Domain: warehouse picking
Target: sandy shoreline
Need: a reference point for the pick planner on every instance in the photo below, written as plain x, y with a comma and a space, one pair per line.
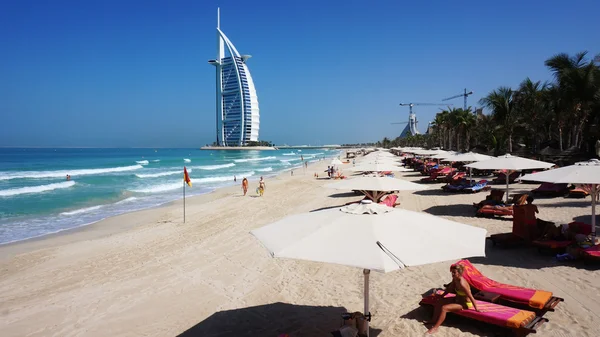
147, 273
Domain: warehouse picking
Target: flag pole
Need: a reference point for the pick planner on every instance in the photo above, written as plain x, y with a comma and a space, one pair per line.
183, 200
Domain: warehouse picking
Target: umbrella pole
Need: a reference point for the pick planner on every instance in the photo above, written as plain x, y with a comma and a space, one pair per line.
506, 174
366, 273
471, 176
594, 197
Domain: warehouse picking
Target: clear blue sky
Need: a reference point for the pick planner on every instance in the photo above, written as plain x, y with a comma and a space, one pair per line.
135, 73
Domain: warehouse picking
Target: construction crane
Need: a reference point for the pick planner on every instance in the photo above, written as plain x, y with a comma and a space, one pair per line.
412, 128
465, 95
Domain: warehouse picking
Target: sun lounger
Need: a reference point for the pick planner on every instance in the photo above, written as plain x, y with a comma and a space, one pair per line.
501, 179
454, 177
434, 176
578, 193
538, 300
498, 210
454, 188
480, 186
551, 190
591, 254
520, 321
390, 200
556, 246
523, 232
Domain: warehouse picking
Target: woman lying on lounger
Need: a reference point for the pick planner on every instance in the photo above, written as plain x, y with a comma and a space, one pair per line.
462, 301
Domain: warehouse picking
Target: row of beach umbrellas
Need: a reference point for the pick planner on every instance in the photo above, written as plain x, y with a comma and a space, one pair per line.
368, 235
380, 238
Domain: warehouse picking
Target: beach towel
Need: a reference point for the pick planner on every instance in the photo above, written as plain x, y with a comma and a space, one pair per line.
491, 313
533, 298
390, 200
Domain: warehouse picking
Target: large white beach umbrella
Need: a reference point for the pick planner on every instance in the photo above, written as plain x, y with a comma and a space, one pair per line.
585, 174
375, 187
376, 167
509, 164
469, 157
384, 242
336, 162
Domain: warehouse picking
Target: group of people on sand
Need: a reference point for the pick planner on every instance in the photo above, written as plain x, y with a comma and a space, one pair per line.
260, 190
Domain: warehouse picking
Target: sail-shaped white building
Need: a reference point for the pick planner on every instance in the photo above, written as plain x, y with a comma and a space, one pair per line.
237, 104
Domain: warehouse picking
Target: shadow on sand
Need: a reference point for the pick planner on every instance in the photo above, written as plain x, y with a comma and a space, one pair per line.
588, 218
567, 203
526, 258
455, 210
344, 195
324, 208
433, 190
272, 320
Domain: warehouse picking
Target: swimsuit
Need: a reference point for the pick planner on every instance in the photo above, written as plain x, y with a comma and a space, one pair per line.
460, 293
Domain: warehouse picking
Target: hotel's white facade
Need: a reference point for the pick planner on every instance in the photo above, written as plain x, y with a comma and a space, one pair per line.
237, 104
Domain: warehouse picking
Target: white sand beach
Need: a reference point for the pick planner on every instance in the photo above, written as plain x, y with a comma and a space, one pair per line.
148, 274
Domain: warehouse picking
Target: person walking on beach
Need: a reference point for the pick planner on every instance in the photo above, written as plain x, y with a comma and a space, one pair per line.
234, 179
245, 185
261, 186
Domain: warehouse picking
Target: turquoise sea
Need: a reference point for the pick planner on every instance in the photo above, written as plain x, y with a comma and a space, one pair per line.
36, 199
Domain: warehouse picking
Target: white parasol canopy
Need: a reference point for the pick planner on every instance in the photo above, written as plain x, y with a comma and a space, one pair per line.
510, 164
583, 173
336, 162
376, 167
381, 242
375, 187
469, 157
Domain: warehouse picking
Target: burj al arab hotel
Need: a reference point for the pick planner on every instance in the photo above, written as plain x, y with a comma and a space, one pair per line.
237, 103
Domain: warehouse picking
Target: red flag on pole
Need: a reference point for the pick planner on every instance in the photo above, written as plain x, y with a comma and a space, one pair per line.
186, 177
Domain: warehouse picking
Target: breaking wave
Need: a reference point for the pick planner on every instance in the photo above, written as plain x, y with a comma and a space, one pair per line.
35, 189
160, 174
253, 159
214, 167
63, 173
82, 210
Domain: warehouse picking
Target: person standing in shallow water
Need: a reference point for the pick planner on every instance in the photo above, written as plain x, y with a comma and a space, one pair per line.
245, 185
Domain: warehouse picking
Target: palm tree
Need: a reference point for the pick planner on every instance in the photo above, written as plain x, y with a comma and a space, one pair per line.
501, 102
529, 100
439, 128
579, 89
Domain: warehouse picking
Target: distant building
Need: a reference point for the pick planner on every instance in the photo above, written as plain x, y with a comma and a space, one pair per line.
237, 103
411, 127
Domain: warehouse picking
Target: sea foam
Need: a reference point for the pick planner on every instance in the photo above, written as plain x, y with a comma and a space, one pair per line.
253, 159
142, 162
160, 174
187, 160
35, 189
63, 173
214, 167
224, 178
159, 188
81, 210
267, 169
124, 201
